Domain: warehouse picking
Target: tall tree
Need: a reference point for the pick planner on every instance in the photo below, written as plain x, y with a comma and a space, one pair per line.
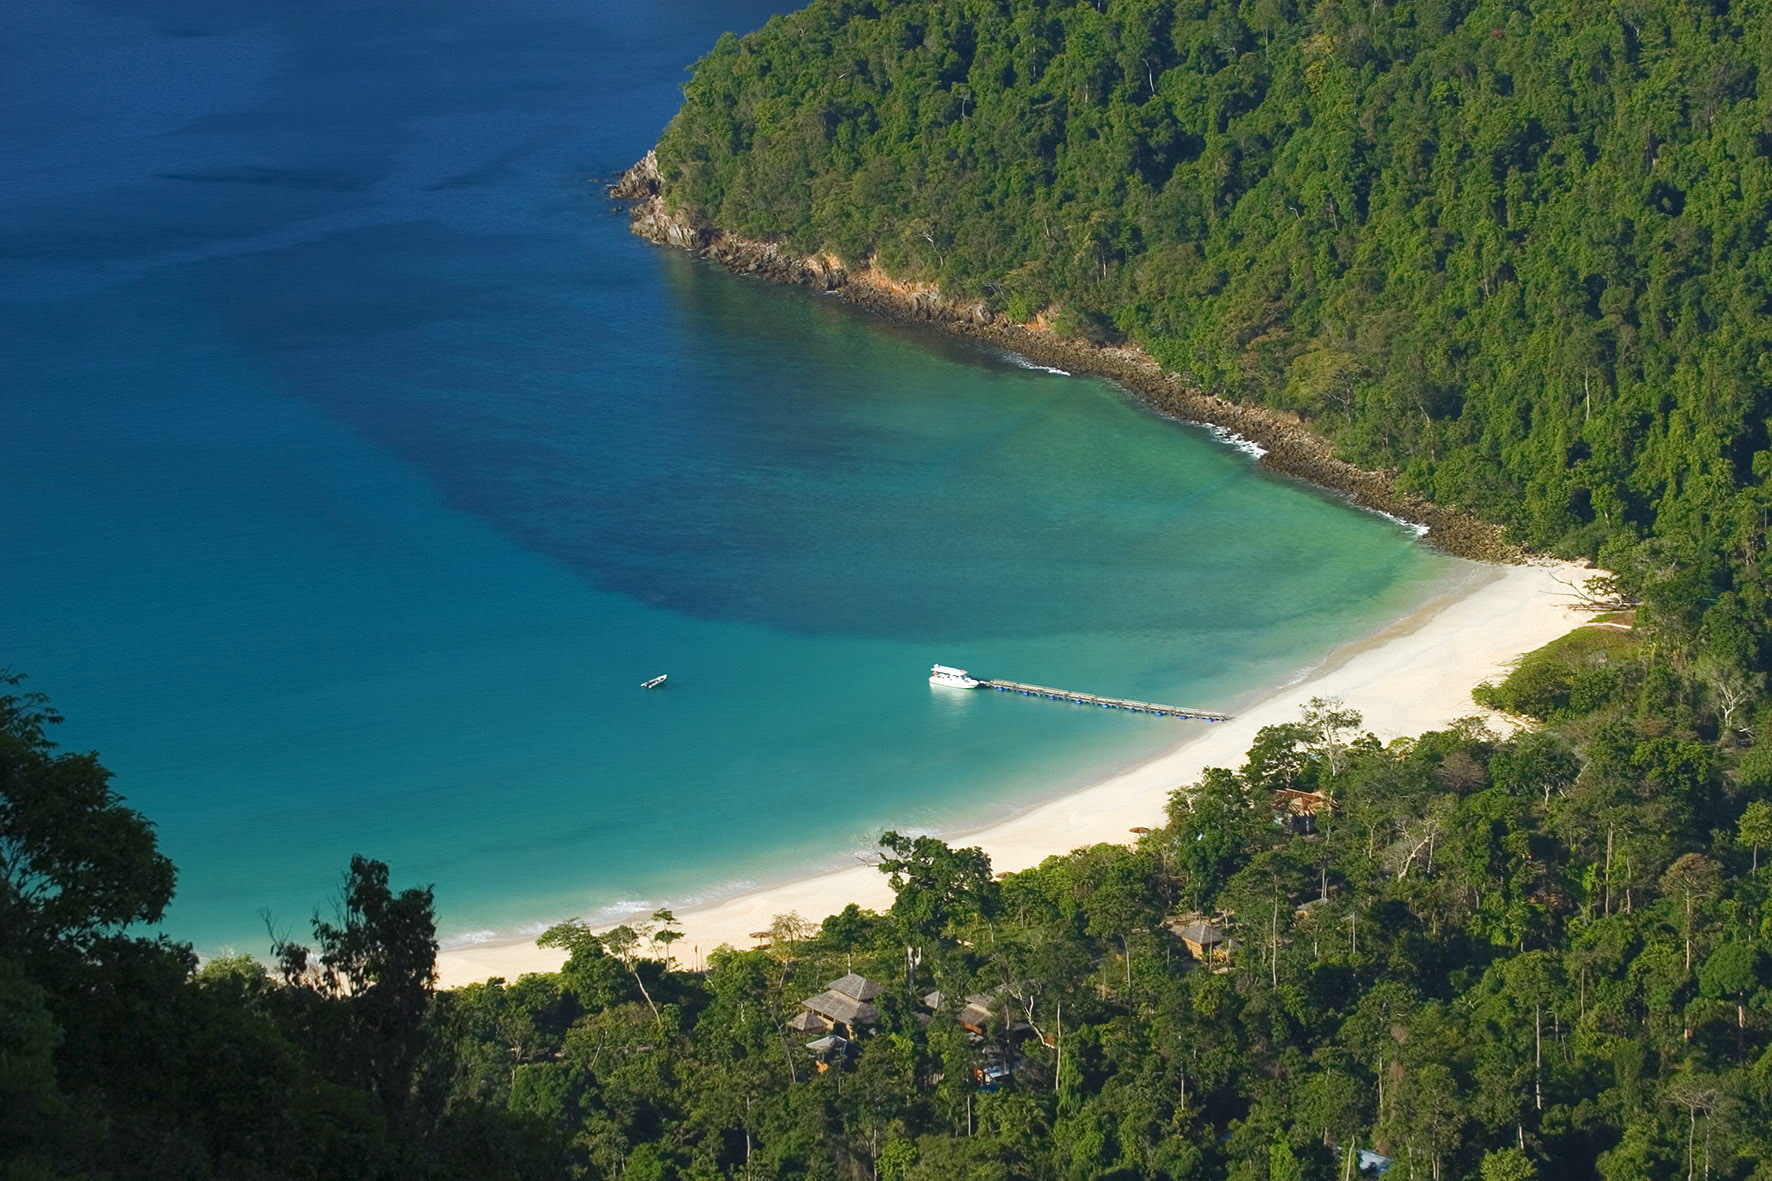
372, 980
76, 865
935, 885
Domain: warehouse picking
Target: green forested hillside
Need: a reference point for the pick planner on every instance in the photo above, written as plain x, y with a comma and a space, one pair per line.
1540, 957
1516, 252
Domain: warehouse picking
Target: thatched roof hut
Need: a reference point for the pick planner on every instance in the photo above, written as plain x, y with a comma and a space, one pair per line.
859, 987
806, 1021
978, 1012
846, 1001
843, 1010
1204, 939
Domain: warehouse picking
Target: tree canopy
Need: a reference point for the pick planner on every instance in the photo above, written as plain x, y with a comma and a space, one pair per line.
76, 865
1515, 252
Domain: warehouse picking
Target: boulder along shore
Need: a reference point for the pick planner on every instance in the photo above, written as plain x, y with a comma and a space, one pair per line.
1291, 448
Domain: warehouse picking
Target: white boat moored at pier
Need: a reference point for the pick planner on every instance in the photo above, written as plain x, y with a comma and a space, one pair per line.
959, 678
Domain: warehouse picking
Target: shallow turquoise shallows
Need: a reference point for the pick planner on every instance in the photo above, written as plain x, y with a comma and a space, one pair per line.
359, 466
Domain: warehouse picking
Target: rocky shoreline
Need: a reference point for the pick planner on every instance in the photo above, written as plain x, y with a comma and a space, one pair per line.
1291, 449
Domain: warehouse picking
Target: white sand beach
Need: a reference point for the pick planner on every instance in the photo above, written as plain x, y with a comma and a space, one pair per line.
1413, 676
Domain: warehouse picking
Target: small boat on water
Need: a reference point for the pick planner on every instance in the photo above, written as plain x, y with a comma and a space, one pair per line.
654, 683
953, 678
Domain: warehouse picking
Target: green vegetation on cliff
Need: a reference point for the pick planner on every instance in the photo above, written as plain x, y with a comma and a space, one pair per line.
1515, 252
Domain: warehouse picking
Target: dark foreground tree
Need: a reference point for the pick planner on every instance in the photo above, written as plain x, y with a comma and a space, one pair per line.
365, 998
76, 866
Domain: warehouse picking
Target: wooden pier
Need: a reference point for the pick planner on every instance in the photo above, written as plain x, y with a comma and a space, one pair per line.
1137, 707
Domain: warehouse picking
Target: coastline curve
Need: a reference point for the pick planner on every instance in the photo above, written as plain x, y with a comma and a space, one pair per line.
1287, 446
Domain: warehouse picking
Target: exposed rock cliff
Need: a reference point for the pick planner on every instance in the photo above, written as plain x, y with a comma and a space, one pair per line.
1291, 449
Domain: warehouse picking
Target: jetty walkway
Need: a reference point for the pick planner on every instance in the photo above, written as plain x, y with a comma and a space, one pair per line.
1137, 707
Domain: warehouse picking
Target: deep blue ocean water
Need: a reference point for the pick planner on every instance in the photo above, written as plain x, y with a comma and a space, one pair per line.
358, 466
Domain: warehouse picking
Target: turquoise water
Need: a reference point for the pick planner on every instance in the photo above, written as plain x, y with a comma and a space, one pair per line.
359, 465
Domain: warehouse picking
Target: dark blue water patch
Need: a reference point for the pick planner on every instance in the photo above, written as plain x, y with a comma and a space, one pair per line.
149, 132
740, 453
358, 289
328, 179
147, 222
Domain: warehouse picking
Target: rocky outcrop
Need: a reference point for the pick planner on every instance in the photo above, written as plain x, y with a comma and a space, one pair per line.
640, 181
1290, 447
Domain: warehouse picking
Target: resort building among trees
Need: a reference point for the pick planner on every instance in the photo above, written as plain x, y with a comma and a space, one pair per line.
1204, 940
845, 1007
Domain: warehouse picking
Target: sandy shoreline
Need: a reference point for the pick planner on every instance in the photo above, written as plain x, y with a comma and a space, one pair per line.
1412, 676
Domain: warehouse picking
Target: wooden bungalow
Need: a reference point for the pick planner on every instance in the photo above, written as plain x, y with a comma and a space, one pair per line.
806, 1021
845, 1007
977, 1014
1204, 939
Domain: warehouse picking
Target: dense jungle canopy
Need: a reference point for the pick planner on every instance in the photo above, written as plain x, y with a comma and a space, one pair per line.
1541, 956
1515, 252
